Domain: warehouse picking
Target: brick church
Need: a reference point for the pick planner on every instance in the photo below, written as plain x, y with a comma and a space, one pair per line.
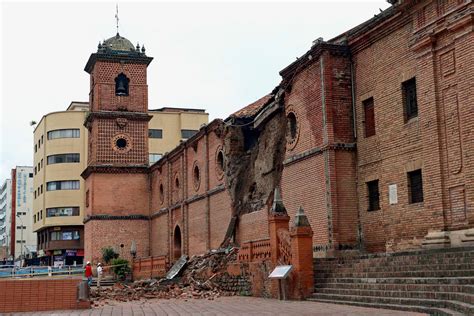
371, 133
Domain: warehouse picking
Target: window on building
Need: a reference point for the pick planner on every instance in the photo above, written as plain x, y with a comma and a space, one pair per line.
41, 189
63, 158
21, 227
62, 185
374, 196
39, 143
34, 194
65, 235
64, 133
154, 158
87, 198
41, 214
42, 139
36, 148
369, 117
220, 160
20, 241
188, 133
41, 162
292, 126
35, 170
62, 211
155, 133
34, 218
31, 175
415, 186
121, 85
409, 99
38, 167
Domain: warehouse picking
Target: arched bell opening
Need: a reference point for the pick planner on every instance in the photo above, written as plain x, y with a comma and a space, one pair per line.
121, 85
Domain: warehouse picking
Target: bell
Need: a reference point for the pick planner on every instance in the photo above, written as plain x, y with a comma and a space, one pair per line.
121, 89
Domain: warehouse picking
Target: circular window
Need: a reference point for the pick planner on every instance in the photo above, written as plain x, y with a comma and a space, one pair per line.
121, 143
196, 176
291, 129
162, 193
220, 164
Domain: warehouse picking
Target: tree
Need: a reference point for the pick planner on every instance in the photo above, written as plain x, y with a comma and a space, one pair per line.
109, 254
121, 268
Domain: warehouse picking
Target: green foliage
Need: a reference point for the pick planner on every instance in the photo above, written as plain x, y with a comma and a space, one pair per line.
108, 254
121, 268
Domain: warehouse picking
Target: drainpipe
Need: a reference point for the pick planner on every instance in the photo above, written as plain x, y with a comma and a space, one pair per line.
354, 121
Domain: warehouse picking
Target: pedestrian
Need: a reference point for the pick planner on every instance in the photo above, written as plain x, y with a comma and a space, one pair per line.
99, 274
88, 273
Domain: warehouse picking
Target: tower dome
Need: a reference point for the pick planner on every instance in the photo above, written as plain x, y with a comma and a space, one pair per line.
118, 43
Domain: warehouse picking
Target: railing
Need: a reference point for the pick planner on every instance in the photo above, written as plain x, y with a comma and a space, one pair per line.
252, 251
150, 267
35, 271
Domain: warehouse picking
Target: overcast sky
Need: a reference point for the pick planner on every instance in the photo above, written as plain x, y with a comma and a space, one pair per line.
219, 56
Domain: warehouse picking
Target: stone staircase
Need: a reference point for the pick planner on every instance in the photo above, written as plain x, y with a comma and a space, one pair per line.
436, 281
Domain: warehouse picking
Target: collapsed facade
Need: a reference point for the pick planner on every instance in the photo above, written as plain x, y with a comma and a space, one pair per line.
370, 133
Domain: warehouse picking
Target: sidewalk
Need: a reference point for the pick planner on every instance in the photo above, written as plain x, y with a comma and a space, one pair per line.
227, 306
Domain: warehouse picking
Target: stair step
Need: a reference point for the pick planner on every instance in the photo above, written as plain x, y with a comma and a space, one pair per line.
422, 274
448, 296
469, 289
395, 268
411, 308
454, 305
437, 280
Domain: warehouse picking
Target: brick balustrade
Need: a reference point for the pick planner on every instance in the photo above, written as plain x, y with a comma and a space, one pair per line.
150, 267
40, 294
258, 250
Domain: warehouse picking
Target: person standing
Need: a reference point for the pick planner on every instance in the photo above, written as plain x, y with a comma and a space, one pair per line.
88, 273
99, 274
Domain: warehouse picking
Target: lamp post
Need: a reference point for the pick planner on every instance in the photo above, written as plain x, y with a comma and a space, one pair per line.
133, 249
21, 236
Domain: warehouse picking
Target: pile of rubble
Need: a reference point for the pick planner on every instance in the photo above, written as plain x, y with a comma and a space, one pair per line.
195, 280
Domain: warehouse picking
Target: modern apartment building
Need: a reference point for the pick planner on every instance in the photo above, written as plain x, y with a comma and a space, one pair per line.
5, 218
23, 239
60, 156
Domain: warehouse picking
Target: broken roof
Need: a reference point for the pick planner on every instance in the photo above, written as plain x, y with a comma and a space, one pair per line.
252, 108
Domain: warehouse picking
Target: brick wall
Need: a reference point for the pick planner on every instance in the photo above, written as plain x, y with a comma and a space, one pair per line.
435, 141
115, 233
51, 294
103, 87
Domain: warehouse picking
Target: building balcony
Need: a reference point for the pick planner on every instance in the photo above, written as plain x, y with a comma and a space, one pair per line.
62, 244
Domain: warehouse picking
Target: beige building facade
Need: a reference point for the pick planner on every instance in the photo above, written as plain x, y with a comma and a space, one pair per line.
60, 156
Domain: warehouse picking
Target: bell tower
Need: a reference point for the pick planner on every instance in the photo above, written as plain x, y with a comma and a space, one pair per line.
116, 177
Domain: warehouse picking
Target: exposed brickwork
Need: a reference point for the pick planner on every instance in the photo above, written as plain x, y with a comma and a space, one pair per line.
328, 159
50, 294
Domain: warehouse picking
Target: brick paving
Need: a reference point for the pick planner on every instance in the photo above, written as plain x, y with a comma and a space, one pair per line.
225, 306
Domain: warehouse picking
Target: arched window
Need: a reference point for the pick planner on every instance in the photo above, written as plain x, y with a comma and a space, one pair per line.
121, 85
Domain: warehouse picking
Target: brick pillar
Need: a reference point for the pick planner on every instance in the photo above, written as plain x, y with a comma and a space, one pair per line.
278, 218
301, 257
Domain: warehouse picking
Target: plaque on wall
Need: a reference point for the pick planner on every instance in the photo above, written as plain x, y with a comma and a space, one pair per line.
392, 194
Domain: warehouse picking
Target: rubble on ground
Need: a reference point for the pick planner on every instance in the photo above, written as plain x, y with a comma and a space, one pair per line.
196, 281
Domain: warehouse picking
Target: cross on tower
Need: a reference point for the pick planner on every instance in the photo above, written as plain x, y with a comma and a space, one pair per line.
117, 17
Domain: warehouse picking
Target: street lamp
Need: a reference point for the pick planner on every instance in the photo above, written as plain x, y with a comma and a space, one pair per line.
21, 237
133, 249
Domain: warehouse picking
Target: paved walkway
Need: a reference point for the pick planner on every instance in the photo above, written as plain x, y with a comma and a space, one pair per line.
226, 306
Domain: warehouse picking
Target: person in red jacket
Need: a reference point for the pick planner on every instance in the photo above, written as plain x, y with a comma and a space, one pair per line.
88, 273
